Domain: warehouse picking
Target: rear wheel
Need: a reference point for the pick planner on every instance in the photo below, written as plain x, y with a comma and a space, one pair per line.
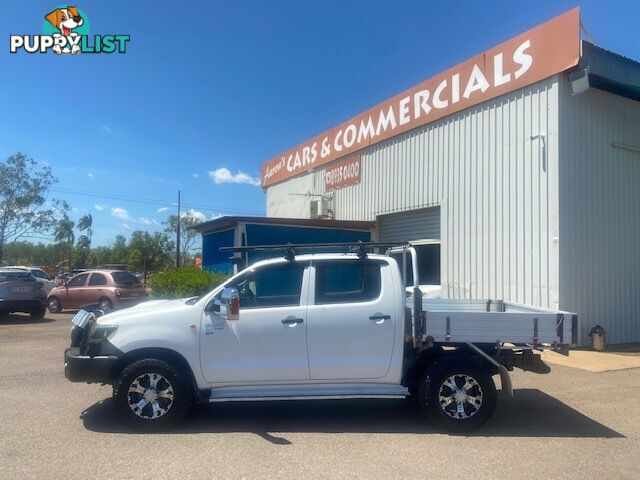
151, 394
38, 314
458, 393
53, 304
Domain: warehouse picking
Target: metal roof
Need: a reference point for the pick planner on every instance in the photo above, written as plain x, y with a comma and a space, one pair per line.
610, 71
227, 222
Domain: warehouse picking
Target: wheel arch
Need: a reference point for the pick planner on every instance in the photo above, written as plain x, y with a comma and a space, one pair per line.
166, 354
435, 356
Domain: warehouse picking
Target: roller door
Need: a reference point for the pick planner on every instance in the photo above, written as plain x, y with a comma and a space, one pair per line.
411, 225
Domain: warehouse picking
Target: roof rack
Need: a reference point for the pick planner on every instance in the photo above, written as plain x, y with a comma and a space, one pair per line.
290, 248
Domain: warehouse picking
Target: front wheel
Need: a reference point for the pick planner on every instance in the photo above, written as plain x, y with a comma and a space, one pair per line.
53, 304
151, 394
458, 393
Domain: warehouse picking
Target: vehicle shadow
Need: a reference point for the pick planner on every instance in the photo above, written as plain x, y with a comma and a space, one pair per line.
531, 413
17, 319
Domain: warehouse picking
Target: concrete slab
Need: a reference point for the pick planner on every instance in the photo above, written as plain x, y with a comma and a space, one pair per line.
592, 361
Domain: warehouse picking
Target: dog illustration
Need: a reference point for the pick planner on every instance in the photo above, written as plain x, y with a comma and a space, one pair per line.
66, 19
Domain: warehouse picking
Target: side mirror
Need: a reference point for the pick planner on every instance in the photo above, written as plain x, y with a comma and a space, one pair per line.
230, 304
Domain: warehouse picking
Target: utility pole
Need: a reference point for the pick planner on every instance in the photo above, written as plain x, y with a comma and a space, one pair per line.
178, 234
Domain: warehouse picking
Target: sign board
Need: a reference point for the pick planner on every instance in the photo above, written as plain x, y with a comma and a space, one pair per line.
539, 53
342, 174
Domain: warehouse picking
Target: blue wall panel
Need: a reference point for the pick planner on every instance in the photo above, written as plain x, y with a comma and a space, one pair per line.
212, 258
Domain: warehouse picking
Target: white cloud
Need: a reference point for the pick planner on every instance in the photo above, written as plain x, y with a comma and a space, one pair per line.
163, 209
224, 175
99, 207
145, 221
90, 175
216, 215
120, 213
106, 129
195, 175
201, 217
126, 226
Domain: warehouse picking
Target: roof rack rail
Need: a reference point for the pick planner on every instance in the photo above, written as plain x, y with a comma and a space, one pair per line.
290, 248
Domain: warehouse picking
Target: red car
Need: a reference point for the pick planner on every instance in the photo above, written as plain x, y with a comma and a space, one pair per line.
109, 288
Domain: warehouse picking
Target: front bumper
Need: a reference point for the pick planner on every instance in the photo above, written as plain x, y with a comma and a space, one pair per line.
31, 305
83, 368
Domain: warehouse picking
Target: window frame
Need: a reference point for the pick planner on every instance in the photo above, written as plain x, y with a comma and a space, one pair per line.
302, 301
78, 276
320, 263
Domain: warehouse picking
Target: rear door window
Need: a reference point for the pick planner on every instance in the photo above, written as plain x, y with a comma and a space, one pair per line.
347, 282
97, 279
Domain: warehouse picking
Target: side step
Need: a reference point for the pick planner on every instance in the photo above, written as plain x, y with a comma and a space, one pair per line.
306, 393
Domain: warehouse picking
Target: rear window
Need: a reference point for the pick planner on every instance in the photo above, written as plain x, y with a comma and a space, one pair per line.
347, 282
125, 278
16, 276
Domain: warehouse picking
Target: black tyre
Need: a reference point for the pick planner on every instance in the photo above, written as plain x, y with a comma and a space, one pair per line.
53, 304
38, 314
105, 305
151, 394
458, 393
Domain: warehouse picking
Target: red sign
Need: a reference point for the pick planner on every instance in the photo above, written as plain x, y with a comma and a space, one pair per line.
543, 51
342, 174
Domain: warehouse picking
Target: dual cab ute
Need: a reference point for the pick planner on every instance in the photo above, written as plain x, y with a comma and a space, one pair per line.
313, 326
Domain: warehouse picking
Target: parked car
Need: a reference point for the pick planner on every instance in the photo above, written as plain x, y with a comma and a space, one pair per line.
110, 289
21, 292
40, 275
323, 326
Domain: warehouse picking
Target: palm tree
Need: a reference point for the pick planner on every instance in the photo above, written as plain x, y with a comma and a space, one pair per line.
84, 242
86, 223
64, 232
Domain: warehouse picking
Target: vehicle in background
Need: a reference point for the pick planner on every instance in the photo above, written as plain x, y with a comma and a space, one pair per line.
111, 289
41, 276
20, 292
428, 255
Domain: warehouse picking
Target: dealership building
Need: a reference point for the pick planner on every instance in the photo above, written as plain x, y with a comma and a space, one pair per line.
524, 162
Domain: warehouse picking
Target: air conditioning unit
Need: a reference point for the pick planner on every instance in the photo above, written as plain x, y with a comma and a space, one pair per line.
319, 208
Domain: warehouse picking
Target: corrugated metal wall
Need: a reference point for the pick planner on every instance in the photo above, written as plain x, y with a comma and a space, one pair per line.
496, 189
600, 212
420, 224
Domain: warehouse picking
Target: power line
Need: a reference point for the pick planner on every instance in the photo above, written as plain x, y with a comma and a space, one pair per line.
149, 201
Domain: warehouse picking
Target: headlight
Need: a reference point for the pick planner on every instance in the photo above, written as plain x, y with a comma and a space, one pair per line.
100, 333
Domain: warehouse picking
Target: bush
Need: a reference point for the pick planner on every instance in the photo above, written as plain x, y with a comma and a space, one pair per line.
184, 282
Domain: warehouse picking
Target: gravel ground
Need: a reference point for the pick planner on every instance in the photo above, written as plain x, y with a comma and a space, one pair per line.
570, 423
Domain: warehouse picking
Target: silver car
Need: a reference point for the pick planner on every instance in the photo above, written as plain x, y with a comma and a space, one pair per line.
20, 292
41, 276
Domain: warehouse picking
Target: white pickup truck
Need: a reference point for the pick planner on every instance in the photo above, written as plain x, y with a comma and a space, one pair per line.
313, 326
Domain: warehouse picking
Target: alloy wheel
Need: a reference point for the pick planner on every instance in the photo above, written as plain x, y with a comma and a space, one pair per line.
460, 396
150, 396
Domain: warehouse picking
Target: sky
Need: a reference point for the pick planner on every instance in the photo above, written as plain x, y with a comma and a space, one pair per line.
209, 90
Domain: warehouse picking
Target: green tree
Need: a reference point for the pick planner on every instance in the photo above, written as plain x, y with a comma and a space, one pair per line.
23, 187
154, 249
63, 234
188, 235
119, 251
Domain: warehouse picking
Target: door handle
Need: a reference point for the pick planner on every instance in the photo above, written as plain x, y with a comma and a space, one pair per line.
292, 321
379, 317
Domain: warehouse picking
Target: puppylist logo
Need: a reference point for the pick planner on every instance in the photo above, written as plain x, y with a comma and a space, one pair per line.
65, 30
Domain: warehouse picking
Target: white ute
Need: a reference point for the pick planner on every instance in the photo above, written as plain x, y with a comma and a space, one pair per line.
313, 326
